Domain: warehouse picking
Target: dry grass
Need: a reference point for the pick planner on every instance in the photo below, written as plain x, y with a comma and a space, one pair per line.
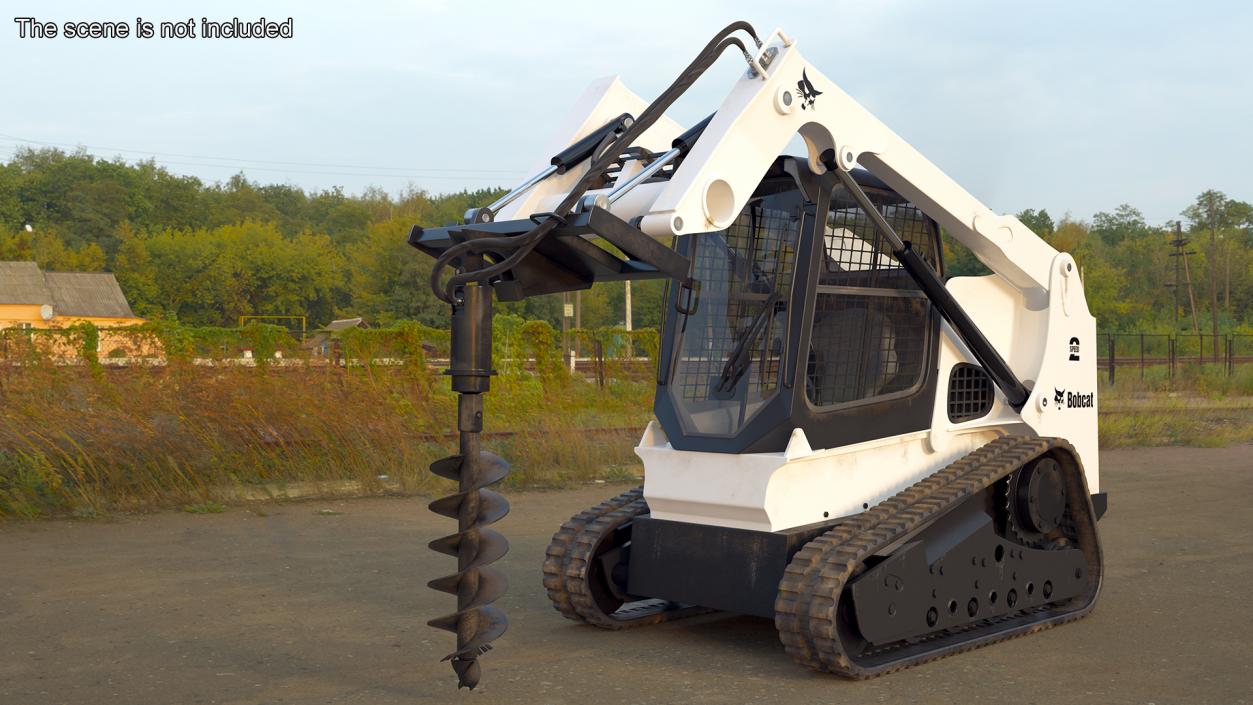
77, 440
90, 441
1202, 406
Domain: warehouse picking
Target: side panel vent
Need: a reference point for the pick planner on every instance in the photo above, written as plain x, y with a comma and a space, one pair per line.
969, 393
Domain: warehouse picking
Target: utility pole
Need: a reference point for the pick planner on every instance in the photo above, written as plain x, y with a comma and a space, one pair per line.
1196, 324
1227, 284
630, 342
1178, 244
1211, 212
628, 305
1181, 257
578, 323
567, 310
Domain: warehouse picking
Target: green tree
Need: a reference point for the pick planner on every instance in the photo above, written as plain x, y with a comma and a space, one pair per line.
1040, 222
212, 277
959, 261
1124, 223
11, 215
1214, 216
239, 200
344, 219
387, 280
208, 253
137, 275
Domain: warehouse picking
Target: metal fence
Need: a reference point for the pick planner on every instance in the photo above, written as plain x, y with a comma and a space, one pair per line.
1138, 352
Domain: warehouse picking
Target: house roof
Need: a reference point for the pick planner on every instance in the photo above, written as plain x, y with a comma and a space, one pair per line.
344, 324
23, 283
88, 294
324, 334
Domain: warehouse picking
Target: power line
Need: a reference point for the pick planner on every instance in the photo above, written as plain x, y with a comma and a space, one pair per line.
468, 172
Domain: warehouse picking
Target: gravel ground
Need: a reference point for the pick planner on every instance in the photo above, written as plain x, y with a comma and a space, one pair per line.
295, 604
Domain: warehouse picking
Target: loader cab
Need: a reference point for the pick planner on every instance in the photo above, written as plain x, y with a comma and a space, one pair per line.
803, 320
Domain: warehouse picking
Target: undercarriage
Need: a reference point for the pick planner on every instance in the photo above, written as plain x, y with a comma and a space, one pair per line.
1000, 543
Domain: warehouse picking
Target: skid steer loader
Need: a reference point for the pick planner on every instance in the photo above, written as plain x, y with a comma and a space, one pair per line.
890, 466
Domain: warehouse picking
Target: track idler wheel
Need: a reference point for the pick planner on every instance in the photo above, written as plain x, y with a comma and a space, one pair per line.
584, 569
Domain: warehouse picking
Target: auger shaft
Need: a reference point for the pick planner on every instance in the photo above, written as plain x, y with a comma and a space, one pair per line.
476, 623
469, 409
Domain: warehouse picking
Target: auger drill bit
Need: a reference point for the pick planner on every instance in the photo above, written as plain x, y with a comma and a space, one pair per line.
476, 622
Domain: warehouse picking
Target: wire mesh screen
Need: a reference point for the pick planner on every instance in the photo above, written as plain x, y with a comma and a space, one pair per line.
969, 393
731, 347
738, 266
864, 346
858, 255
871, 323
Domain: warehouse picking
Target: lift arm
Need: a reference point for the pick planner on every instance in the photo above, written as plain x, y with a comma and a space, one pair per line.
782, 95
758, 119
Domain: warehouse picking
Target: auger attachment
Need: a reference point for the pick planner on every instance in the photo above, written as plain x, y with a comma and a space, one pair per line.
476, 622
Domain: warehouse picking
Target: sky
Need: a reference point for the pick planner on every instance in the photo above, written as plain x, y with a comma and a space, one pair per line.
1076, 107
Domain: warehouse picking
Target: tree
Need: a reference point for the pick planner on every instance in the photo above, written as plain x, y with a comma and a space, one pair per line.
1124, 223
1039, 221
239, 200
959, 261
11, 215
1070, 235
46, 248
1144, 260
212, 277
94, 210
387, 280
343, 218
1211, 212
136, 275
1105, 284
208, 253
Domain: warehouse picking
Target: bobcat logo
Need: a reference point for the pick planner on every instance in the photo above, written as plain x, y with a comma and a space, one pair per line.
1074, 400
808, 92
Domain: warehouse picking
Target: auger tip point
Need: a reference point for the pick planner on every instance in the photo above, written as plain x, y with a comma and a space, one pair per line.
468, 673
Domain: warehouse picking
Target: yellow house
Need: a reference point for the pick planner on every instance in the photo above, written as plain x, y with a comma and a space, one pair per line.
33, 298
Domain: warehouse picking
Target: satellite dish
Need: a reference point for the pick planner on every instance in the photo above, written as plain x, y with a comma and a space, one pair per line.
45, 312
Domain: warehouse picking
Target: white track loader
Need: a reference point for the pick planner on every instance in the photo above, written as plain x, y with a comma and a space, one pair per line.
891, 466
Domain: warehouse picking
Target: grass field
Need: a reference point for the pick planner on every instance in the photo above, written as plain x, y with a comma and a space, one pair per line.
1201, 406
86, 441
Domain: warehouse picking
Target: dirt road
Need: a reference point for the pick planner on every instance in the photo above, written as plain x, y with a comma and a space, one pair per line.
290, 605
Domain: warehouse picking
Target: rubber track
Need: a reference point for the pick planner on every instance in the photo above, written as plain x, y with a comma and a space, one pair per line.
807, 605
570, 552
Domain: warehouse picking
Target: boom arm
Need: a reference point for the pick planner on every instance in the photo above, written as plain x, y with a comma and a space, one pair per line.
758, 119
1033, 310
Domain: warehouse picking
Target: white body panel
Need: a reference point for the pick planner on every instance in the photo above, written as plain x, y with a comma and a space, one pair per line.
1032, 309
776, 491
